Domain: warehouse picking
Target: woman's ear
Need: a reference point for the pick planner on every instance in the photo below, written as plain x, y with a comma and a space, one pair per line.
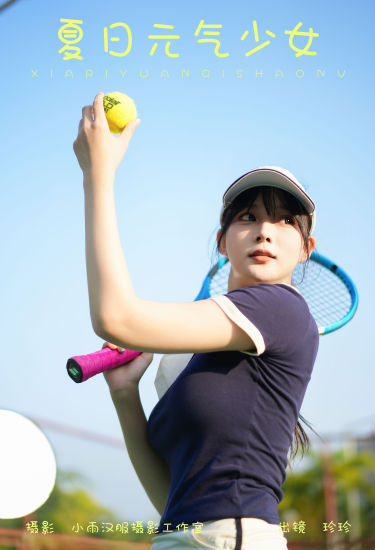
312, 244
222, 247
304, 256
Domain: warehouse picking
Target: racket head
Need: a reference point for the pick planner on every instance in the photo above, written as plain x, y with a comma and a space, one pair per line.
330, 293
328, 290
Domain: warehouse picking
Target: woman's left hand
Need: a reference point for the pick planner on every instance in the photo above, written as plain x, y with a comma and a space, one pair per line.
95, 147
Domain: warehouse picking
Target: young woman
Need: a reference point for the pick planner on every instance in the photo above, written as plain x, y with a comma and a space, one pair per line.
212, 455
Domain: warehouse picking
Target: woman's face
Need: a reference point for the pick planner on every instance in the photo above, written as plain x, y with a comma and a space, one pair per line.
254, 229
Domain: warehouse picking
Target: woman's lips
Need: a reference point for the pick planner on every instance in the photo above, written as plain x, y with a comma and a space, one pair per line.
261, 255
262, 258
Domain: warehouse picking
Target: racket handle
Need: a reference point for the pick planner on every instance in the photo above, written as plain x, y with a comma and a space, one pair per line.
82, 367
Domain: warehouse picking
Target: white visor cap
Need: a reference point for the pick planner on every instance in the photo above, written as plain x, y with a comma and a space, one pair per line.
269, 176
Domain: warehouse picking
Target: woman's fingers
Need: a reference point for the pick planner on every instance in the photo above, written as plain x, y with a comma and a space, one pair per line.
112, 346
87, 112
98, 108
109, 345
129, 130
128, 375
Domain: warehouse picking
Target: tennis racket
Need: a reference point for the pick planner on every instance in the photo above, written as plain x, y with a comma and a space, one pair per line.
329, 292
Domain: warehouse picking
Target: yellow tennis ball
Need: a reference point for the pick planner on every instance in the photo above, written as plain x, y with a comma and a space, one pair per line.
119, 110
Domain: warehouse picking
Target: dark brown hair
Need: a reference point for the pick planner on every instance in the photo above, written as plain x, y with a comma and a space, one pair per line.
270, 195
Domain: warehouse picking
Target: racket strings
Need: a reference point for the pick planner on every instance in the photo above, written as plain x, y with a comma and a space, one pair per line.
219, 281
327, 296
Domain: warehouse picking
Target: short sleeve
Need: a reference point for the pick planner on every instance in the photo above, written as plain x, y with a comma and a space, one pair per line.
273, 315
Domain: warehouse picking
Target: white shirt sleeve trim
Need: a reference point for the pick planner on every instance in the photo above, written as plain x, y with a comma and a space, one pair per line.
243, 322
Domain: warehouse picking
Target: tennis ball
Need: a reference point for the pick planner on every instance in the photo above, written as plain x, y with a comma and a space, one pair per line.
119, 110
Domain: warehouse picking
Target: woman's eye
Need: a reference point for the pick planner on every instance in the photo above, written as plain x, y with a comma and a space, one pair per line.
289, 220
247, 216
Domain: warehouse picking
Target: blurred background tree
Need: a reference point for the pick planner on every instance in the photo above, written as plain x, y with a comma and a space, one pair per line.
305, 495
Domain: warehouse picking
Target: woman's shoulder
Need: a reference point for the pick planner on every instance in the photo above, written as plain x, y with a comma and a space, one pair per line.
278, 302
277, 291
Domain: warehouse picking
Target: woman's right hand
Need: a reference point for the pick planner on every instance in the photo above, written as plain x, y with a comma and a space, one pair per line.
126, 376
95, 147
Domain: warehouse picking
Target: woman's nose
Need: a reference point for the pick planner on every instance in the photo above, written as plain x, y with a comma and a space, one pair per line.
262, 238
265, 231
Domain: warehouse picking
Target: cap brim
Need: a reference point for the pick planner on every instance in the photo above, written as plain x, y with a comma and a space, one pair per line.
268, 177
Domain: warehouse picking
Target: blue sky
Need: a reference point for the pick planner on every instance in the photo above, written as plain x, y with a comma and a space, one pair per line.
198, 134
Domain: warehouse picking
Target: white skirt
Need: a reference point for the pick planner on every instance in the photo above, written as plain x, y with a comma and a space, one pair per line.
225, 534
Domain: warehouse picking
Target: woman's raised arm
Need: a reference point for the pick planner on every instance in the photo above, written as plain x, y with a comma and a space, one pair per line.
117, 314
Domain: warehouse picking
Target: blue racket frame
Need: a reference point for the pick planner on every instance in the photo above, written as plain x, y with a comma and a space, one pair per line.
348, 282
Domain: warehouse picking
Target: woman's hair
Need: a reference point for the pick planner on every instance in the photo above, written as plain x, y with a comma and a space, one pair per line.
304, 221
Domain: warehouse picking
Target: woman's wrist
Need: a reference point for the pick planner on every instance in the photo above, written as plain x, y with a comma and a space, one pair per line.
119, 394
101, 176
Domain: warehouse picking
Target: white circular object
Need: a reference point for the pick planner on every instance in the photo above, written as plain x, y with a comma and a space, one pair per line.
27, 466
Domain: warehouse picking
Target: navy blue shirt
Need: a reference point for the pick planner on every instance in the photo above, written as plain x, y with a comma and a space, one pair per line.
226, 423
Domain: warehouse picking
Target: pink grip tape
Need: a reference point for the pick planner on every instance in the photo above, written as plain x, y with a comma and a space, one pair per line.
99, 361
